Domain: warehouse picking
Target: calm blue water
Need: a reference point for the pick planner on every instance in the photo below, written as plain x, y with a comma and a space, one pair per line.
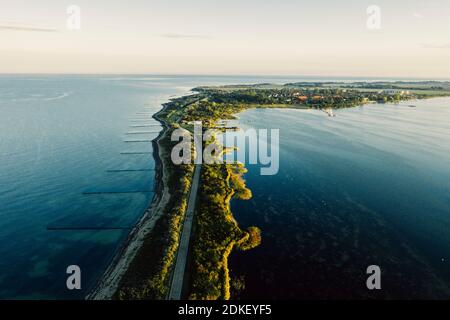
371, 186
59, 136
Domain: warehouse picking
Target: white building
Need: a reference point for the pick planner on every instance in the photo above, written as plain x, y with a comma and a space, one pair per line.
396, 91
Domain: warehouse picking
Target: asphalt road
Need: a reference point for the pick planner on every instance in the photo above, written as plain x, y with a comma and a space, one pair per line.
176, 287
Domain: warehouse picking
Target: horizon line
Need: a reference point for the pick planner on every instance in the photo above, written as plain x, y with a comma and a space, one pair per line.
312, 76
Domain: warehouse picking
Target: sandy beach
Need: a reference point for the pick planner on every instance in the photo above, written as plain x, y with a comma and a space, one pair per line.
110, 280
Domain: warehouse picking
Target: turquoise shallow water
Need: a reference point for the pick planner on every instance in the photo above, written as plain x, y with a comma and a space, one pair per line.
59, 136
370, 186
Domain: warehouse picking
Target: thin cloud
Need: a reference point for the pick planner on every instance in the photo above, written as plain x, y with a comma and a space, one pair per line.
183, 36
25, 28
436, 46
417, 15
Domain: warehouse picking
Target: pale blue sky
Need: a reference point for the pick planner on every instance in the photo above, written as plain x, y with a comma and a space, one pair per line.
285, 37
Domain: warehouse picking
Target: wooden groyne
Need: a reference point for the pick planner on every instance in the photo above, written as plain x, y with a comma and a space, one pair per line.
131, 141
116, 192
141, 132
49, 228
130, 170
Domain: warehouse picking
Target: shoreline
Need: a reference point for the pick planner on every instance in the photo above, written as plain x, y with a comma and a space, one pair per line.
108, 283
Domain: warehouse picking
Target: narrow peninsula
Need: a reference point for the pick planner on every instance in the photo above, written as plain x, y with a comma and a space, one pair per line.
143, 268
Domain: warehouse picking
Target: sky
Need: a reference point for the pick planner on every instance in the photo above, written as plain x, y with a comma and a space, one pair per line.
238, 37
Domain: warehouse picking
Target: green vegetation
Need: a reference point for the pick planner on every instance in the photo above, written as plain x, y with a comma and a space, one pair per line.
174, 110
322, 94
210, 112
251, 240
149, 274
216, 231
238, 184
300, 97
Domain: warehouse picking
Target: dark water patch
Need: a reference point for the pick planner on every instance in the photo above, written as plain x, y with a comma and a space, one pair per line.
346, 198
